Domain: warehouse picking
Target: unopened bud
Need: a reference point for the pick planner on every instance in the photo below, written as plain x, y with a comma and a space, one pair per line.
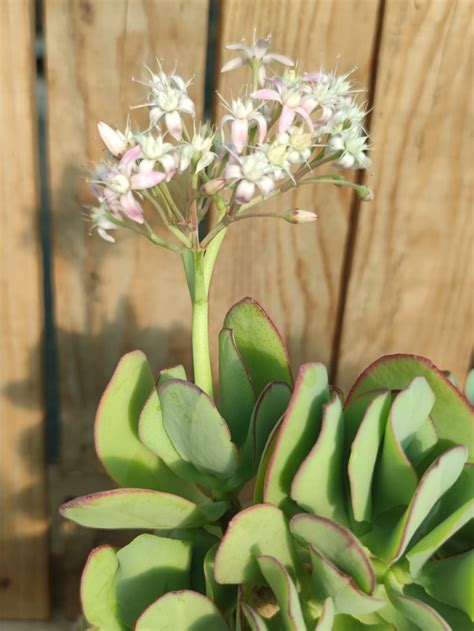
114, 140
365, 193
213, 186
300, 216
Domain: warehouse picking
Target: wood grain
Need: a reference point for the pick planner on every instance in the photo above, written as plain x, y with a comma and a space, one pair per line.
411, 284
294, 271
109, 299
24, 587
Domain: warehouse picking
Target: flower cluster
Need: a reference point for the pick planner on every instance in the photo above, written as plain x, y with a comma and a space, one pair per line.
270, 139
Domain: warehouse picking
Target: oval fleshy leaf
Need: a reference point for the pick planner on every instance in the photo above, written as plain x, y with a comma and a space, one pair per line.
296, 435
363, 455
255, 621
184, 610
469, 386
222, 595
269, 409
135, 508
154, 435
452, 414
426, 547
323, 467
442, 474
237, 390
326, 619
197, 430
98, 596
424, 616
264, 464
260, 344
338, 545
451, 581
258, 529
457, 619
124, 457
333, 583
150, 566
397, 478
285, 592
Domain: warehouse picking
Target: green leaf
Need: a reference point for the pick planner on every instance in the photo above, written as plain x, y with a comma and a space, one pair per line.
269, 409
326, 619
183, 610
441, 475
338, 545
469, 386
451, 581
452, 415
332, 582
259, 529
237, 390
423, 443
259, 487
457, 619
150, 566
222, 595
324, 464
348, 623
197, 430
124, 457
397, 478
426, 547
424, 616
98, 598
363, 455
260, 344
256, 622
285, 592
297, 434
135, 508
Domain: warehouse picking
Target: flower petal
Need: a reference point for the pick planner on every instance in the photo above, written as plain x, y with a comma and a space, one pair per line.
244, 192
262, 126
237, 62
174, 124
267, 95
187, 106
305, 116
286, 118
115, 143
105, 235
281, 59
139, 181
131, 207
239, 133
266, 185
131, 155
232, 172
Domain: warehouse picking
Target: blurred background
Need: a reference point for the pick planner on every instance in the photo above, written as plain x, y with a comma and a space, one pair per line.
395, 275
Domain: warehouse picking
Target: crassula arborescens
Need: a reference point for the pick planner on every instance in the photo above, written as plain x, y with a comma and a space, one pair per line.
278, 504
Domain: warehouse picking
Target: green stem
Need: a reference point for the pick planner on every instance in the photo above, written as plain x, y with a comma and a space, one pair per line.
200, 326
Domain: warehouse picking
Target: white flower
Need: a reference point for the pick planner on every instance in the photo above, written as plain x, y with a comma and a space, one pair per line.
251, 172
294, 102
116, 141
200, 145
353, 145
101, 221
155, 149
348, 115
256, 53
329, 91
168, 99
242, 113
300, 144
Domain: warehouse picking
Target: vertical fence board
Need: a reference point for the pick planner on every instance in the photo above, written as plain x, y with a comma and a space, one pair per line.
410, 288
109, 298
294, 271
23, 525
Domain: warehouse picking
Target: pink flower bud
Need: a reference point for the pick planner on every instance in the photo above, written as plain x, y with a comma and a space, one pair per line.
113, 140
300, 216
213, 186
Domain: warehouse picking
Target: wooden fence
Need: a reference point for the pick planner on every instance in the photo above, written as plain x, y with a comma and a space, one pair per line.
367, 279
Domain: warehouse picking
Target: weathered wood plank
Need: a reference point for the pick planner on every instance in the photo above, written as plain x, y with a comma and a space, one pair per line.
24, 586
109, 299
295, 271
411, 282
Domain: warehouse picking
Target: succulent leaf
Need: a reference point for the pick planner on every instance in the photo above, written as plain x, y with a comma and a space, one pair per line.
259, 343
297, 434
98, 597
149, 566
136, 508
117, 444
256, 622
323, 466
283, 587
237, 390
196, 429
326, 619
452, 414
185, 609
469, 386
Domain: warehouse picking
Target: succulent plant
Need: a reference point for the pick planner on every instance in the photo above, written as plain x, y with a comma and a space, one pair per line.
361, 514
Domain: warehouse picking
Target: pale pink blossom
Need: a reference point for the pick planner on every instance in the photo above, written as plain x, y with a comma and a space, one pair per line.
250, 172
118, 181
294, 102
200, 149
258, 54
102, 222
353, 146
297, 215
115, 140
155, 149
242, 114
